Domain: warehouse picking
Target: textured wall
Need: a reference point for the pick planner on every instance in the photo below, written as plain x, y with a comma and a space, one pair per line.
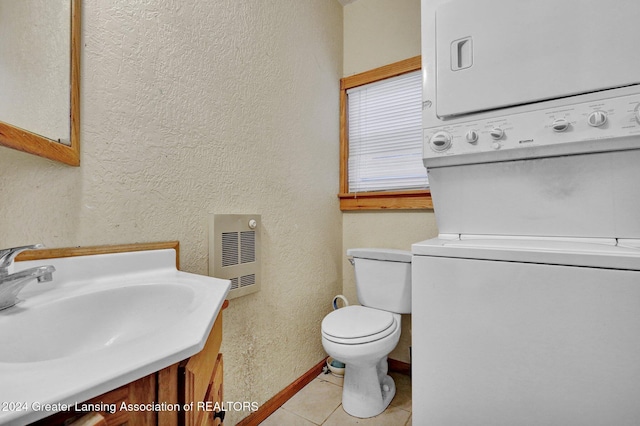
377, 33
197, 107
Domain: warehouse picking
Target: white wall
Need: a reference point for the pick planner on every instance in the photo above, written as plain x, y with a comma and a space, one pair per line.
377, 33
198, 107
380, 32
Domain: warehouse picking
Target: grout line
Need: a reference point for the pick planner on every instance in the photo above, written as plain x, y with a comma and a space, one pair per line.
298, 415
328, 381
329, 416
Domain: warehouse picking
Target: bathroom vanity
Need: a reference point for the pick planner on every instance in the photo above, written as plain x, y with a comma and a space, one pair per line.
119, 335
197, 379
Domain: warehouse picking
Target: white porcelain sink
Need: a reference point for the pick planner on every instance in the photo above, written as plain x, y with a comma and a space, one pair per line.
109, 317
104, 321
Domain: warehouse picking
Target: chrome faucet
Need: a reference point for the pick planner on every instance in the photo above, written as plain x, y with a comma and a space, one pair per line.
11, 284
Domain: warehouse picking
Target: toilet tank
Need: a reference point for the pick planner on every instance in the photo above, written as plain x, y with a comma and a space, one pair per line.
383, 278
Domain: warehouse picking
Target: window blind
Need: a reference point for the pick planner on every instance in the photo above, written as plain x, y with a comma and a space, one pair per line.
385, 135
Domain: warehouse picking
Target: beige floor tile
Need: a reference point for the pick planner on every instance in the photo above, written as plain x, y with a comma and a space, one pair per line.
390, 417
331, 378
316, 401
283, 417
320, 401
402, 399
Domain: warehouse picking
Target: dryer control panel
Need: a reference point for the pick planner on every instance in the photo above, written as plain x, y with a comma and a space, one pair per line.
600, 125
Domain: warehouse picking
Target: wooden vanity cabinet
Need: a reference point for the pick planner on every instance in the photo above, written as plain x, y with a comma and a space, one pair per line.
196, 380
210, 412
200, 383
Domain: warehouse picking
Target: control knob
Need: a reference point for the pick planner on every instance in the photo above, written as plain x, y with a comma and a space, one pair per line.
440, 141
560, 125
471, 136
597, 118
496, 133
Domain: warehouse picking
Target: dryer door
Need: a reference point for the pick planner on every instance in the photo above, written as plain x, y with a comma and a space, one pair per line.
507, 343
497, 53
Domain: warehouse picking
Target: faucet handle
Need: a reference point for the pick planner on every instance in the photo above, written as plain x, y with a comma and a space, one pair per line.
9, 254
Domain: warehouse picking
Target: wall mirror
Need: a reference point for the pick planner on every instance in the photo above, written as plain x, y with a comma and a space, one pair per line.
39, 78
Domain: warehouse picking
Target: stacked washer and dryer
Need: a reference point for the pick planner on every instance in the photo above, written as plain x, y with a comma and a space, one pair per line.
526, 308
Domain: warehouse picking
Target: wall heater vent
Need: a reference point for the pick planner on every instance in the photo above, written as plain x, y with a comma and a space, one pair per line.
234, 251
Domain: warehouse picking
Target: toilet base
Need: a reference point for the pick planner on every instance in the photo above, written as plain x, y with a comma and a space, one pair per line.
367, 389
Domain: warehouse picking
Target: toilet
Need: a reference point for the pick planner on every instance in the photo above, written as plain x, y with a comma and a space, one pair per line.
361, 336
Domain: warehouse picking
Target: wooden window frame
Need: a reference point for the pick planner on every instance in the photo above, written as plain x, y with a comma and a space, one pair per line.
375, 200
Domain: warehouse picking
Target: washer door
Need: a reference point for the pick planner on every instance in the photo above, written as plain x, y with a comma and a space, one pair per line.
506, 343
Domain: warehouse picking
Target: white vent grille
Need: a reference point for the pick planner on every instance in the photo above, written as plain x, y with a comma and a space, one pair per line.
234, 251
234, 283
248, 246
246, 280
229, 248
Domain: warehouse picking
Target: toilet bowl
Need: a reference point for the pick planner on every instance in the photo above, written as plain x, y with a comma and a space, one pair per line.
367, 389
362, 336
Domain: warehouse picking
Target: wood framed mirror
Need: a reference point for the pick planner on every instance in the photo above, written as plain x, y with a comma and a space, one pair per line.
64, 145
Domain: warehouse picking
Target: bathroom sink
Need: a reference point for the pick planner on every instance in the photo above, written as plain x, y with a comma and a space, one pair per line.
108, 317
102, 322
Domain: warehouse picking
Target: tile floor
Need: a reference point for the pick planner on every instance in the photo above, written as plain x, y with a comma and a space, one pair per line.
319, 403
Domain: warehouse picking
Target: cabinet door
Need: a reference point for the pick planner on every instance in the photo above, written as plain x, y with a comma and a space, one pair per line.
142, 391
216, 387
194, 376
213, 415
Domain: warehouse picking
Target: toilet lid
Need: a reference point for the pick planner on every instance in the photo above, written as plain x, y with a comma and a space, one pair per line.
357, 322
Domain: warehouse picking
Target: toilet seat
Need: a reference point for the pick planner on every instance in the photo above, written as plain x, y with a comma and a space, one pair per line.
354, 325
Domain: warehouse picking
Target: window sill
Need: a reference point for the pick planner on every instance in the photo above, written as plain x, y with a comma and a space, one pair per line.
396, 200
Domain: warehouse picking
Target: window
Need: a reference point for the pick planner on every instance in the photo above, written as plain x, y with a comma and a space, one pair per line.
381, 139
384, 132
